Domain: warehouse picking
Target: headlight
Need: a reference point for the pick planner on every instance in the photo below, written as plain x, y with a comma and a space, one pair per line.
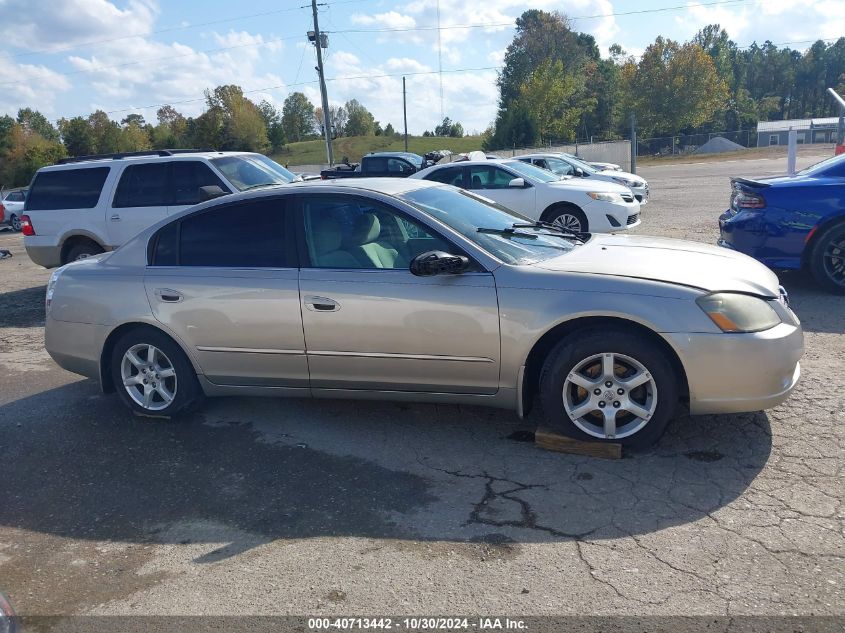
734, 312
625, 181
606, 197
51, 286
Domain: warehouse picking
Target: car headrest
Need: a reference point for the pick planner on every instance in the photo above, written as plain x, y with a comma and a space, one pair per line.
327, 236
367, 229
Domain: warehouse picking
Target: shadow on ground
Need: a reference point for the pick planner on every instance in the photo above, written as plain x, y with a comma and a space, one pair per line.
77, 465
22, 308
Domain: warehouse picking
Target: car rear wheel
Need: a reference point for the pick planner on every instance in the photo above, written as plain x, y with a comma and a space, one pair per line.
609, 385
15, 223
152, 375
827, 261
83, 250
568, 218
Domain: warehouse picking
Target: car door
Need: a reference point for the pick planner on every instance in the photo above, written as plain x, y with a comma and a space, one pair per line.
492, 181
229, 291
141, 198
372, 325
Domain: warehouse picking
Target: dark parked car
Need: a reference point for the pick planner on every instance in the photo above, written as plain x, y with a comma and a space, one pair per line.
792, 222
380, 164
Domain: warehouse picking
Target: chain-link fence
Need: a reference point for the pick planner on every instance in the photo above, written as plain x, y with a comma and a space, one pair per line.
704, 142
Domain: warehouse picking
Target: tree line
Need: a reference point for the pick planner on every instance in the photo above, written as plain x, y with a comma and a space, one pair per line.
230, 121
555, 86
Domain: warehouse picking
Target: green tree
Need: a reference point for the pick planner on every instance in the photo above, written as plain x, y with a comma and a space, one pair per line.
297, 117
360, 121
133, 138
171, 130
34, 121
137, 119
77, 136
105, 133
553, 98
388, 130
514, 127
273, 122
28, 151
6, 125
674, 87
456, 130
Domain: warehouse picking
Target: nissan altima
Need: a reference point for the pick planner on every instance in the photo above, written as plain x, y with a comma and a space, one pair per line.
404, 289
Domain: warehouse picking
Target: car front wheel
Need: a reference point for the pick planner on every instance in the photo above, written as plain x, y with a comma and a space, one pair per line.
568, 218
152, 375
15, 223
827, 260
609, 385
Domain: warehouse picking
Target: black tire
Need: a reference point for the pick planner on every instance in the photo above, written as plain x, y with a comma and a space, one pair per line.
187, 393
82, 251
15, 223
827, 259
577, 348
556, 213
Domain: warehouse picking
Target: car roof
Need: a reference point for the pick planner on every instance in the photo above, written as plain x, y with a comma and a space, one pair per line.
390, 186
100, 161
395, 154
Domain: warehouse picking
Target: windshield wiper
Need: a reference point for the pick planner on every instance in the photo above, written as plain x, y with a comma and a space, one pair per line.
578, 236
509, 232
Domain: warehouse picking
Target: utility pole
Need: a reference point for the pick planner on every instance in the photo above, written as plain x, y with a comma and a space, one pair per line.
405, 112
327, 123
633, 143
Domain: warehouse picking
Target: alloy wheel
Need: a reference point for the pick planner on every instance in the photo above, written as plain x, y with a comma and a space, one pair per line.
609, 395
567, 221
16, 223
833, 259
148, 377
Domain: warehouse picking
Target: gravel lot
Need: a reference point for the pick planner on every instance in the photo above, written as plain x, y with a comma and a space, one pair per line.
258, 506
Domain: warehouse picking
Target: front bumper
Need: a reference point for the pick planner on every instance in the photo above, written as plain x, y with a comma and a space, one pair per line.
610, 217
735, 373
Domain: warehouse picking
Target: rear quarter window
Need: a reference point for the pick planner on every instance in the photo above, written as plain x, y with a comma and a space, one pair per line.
66, 189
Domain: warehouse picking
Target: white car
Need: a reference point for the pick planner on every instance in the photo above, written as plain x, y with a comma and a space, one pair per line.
603, 166
570, 203
85, 206
568, 165
13, 208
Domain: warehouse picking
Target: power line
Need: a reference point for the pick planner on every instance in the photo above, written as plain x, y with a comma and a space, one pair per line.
487, 25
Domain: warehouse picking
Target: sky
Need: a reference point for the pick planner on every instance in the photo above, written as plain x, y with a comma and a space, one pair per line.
70, 57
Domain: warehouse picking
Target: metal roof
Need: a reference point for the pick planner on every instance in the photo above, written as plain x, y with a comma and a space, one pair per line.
798, 124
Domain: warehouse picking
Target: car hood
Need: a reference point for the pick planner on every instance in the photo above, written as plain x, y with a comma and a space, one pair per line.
623, 174
710, 268
585, 184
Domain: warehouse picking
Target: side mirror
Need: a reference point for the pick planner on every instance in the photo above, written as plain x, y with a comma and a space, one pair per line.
438, 263
579, 172
210, 192
517, 183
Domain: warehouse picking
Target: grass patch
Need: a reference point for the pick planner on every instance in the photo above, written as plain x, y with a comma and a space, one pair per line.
354, 147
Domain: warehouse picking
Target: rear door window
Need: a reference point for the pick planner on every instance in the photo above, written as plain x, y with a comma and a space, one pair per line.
144, 185
246, 235
67, 189
449, 176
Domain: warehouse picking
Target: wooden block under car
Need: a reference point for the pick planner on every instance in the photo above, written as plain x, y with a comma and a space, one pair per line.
551, 441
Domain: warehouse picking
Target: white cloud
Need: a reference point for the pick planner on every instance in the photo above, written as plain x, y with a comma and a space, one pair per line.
23, 85
57, 24
390, 20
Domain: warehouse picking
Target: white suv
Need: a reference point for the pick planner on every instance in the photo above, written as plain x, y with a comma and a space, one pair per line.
570, 203
84, 206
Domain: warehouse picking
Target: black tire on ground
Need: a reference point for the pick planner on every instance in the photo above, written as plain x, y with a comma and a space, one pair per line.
188, 393
15, 223
827, 259
572, 351
574, 213
82, 251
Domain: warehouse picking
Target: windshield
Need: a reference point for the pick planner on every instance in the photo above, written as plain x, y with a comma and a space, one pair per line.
530, 171
247, 171
577, 162
466, 212
823, 166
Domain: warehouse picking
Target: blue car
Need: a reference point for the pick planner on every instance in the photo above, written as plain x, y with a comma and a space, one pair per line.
792, 222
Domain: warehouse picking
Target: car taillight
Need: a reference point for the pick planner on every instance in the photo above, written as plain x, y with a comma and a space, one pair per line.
26, 226
2, 213
745, 200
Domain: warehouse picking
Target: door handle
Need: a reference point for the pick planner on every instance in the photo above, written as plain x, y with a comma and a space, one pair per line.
115, 217
169, 296
321, 304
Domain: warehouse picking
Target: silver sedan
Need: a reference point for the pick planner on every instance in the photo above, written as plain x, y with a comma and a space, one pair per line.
412, 290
